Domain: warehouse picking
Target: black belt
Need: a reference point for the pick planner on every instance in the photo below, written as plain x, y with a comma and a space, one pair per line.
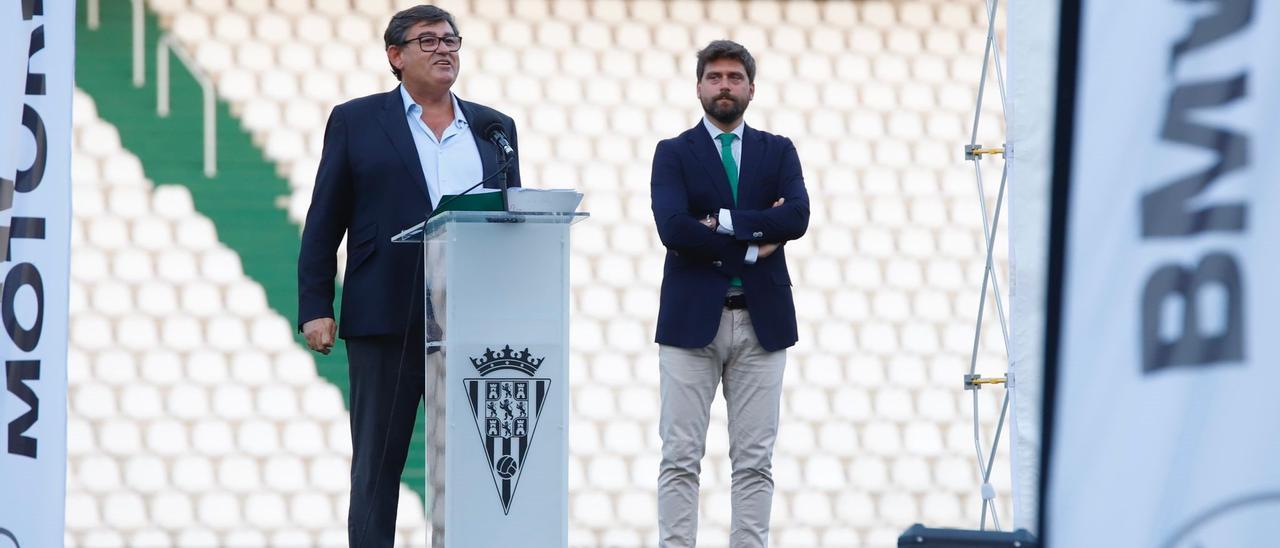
735, 302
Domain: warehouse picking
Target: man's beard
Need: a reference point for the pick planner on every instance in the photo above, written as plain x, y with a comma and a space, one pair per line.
724, 114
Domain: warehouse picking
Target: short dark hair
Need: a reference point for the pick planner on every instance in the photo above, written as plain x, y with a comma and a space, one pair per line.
405, 20
727, 49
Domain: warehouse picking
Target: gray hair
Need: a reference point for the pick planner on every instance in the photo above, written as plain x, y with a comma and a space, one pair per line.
405, 20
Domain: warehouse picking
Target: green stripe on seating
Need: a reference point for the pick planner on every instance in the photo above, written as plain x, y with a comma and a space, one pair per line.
245, 200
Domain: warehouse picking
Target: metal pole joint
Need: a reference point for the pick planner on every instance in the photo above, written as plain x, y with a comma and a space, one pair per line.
976, 152
975, 381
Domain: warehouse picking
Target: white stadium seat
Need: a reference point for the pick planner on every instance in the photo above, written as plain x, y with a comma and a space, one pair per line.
193, 474
218, 509
98, 140
331, 474
303, 438
82, 511
98, 474
351, 28
215, 57
220, 265
182, 333
146, 474
213, 437
195, 536
196, 375
260, 114
339, 435
191, 27
237, 84
201, 299
124, 511
294, 367
210, 7
141, 402
314, 509
321, 401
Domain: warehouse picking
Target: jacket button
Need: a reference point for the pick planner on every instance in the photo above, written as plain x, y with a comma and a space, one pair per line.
758, 234
717, 264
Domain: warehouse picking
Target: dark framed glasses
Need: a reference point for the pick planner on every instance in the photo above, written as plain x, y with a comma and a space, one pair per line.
430, 43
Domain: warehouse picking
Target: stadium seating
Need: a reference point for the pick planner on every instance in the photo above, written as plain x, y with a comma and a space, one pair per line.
196, 421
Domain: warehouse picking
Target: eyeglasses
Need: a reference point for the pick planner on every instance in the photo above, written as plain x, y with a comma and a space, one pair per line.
430, 43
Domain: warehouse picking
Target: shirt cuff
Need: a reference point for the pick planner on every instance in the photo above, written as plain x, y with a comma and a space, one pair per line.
753, 253
725, 222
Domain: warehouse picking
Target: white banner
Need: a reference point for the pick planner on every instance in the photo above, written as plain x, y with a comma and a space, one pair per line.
37, 47
1033, 60
1163, 338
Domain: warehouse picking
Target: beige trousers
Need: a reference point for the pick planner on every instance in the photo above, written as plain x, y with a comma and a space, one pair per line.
752, 392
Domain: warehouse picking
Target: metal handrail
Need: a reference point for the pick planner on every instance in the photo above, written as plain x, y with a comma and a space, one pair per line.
164, 46
91, 15
93, 19
139, 38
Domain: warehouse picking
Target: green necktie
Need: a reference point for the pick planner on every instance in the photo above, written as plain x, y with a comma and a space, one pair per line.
730, 169
730, 166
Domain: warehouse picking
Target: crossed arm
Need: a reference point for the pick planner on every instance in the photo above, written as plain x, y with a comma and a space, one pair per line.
787, 219
762, 250
679, 228
705, 238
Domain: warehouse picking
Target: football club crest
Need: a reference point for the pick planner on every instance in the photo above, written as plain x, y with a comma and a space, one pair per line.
506, 411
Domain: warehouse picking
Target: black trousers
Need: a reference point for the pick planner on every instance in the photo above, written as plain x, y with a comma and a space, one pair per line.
387, 381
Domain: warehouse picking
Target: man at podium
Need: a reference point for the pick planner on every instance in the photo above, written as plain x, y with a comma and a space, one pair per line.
726, 197
387, 160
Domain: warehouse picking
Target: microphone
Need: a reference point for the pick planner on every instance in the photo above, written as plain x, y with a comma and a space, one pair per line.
490, 125
499, 137
491, 129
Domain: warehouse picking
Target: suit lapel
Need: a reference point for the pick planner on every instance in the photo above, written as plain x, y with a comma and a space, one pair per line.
708, 154
396, 124
752, 150
488, 152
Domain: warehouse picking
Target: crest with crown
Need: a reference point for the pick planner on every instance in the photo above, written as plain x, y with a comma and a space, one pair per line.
522, 361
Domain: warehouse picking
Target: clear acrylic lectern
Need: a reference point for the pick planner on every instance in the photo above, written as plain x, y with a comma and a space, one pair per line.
497, 386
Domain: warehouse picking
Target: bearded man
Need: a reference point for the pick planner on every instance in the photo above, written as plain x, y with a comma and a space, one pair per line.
725, 199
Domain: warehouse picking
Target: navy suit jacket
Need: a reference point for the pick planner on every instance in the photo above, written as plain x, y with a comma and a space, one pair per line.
370, 186
689, 183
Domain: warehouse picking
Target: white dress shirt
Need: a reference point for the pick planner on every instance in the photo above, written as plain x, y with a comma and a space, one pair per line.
451, 164
725, 218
